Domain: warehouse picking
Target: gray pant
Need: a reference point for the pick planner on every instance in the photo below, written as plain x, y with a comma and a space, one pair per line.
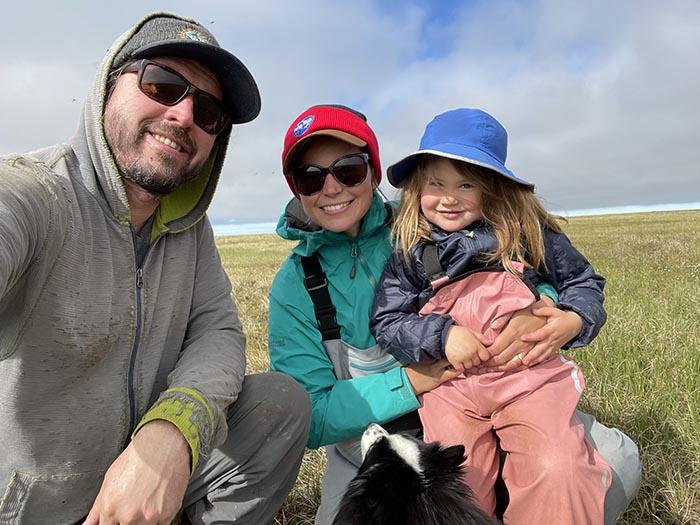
616, 448
247, 478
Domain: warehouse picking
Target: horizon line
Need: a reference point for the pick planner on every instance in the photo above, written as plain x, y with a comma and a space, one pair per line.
223, 229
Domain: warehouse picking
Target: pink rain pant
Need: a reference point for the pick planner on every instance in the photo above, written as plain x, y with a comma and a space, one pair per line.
552, 474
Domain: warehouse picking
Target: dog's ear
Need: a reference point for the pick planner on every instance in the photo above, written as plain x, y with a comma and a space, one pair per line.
454, 455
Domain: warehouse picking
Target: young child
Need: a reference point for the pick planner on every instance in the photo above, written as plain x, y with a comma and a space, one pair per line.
473, 243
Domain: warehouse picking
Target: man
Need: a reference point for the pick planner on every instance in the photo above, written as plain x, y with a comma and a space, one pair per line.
123, 396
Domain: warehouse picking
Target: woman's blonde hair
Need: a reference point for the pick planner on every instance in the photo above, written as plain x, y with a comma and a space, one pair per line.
512, 210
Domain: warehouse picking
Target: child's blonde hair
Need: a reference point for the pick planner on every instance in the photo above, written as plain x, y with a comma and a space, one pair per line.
511, 209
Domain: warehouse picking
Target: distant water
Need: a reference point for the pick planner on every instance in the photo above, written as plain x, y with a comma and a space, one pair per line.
254, 228
243, 228
629, 209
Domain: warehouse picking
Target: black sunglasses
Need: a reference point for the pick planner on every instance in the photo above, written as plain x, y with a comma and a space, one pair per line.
168, 87
349, 170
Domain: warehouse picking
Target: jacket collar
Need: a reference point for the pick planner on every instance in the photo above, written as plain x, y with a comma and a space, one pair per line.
294, 225
439, 235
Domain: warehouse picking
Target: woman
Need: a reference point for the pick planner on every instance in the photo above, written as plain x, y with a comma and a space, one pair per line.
331, 163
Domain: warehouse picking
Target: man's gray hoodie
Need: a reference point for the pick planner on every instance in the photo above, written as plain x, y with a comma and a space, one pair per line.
92, 347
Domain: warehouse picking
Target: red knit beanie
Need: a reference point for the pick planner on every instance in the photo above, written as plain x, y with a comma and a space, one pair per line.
336, 121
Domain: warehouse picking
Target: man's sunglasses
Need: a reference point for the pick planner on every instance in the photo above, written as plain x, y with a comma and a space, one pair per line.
168, 87
349, 170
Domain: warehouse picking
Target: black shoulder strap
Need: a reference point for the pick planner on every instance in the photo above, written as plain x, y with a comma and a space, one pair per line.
317, 285
433, 268
431, 263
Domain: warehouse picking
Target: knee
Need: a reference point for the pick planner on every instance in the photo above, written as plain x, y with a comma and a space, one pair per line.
292, 394
553, 466
621, 454
282, 403
626, 466
626, 477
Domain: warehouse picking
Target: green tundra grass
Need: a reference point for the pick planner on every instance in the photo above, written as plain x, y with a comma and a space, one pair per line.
643, 370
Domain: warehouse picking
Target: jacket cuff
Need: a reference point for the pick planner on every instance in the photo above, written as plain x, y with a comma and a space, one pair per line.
189, 412
588, 328
548, 290
398, 381
443, 336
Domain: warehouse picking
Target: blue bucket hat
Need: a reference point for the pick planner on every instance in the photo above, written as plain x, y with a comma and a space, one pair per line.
465, 134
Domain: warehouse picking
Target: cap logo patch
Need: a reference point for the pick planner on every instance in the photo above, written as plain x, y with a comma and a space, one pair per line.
193, 34
303, 126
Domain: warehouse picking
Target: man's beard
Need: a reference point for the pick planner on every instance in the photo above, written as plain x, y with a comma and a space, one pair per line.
159, 178
160, 181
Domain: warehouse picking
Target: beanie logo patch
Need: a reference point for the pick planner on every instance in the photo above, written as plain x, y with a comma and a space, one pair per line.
303, 126
193, 34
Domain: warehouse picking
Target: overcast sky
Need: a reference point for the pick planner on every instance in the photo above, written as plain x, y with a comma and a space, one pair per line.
600, 99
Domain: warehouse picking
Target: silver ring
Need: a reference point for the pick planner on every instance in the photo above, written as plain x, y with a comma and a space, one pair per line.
520, 356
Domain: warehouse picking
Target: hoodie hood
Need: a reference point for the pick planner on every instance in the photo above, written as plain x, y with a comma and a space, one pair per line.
98, 171
294, 225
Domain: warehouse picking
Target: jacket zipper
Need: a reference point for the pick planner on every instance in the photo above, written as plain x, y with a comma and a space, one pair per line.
138, 282
353, 254
358, 257
134, 351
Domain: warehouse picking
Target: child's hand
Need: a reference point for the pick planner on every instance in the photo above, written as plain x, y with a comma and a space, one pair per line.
562, 326
465, 349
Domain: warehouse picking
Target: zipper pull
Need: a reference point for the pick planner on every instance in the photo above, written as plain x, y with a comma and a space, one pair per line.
139, 278
353, 254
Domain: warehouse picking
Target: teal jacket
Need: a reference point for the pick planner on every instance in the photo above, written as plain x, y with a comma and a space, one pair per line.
341, 409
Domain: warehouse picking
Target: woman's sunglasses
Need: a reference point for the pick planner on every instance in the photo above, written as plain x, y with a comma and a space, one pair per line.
349, 170
168, 87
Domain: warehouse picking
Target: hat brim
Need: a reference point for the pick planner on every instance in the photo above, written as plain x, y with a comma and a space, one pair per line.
397, 173
341, 135
241, 96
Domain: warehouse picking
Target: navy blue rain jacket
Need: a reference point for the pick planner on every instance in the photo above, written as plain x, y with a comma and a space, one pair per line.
402, 291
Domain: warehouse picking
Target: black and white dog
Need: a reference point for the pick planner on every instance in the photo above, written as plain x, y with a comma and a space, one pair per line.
405, 481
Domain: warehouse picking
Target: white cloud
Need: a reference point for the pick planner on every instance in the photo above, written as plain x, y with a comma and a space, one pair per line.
600, 99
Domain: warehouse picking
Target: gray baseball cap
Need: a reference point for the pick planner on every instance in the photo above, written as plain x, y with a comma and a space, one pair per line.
163, 34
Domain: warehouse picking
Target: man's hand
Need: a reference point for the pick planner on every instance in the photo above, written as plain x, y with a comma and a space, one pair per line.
465, 349
424, 378
146, 484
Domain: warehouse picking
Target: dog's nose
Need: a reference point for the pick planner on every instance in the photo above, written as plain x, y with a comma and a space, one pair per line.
374, 430
371, 435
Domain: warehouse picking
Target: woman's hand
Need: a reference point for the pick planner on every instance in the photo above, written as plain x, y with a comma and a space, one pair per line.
509, 350
562, 326
424, 378
532, 335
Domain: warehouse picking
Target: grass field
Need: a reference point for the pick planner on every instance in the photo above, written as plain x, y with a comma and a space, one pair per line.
643, 370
